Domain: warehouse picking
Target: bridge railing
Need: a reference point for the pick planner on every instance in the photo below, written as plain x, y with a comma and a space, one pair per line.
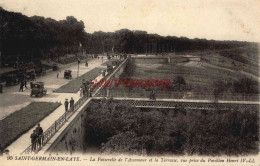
177, 95
48, 134
37, 145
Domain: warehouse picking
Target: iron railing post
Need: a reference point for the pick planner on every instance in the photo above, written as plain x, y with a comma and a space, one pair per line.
55, 125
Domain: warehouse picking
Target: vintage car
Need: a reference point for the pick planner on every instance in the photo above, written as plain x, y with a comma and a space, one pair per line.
37, 89
11, 79
67, 74
55, 67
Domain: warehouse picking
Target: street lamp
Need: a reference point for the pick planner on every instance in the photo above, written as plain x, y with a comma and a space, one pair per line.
78, 67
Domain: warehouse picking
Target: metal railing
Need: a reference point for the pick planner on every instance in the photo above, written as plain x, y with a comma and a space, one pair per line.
48, 134
37, 145
177, 95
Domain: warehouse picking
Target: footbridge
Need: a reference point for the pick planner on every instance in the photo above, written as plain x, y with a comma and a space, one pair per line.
67, 133
183, 103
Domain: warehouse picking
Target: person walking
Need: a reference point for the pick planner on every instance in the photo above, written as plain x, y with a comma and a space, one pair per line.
80, 91
33, 140
83, 91
58, 74
66, 105
1, 88
39, 132
71, 104
1, 150
25, 83
21, 86
152, 95
87, 89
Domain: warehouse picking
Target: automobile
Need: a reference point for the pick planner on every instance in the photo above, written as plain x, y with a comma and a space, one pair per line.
11, 79
67, 74
96, 55
55, 67
37, 89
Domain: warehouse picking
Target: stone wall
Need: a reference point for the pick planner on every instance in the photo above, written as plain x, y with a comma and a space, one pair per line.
72, 140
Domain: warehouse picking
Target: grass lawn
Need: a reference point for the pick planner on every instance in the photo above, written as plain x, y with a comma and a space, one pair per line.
199, 78
74, 85
23, 120
110, 61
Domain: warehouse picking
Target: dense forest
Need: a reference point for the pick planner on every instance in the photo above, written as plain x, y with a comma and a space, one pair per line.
116, 128
39, 37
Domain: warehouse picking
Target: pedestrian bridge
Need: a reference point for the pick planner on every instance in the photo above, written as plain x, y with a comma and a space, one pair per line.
66, 135
183, 103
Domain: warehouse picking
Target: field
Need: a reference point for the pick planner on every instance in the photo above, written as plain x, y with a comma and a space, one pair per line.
23, 120
209, 73
74, 85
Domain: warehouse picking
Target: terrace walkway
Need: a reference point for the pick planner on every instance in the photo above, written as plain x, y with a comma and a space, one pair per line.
57, 124
51, 83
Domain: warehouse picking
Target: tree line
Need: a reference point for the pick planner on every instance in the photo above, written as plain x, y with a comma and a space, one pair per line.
120, 129
38, 37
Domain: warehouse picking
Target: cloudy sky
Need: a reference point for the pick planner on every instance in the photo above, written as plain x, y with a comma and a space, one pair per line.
218, 19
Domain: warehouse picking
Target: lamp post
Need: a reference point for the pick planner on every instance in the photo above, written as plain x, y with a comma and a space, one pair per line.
80, 49
78, 67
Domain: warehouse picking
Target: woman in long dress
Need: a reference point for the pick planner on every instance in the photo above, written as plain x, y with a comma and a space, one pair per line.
81, 91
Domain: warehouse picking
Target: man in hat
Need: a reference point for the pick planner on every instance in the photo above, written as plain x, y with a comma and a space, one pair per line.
66, 105
33, 140
39, 132
25, 83
21, 86
71, 104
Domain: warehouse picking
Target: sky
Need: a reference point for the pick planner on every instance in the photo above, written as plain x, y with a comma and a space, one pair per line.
209, 19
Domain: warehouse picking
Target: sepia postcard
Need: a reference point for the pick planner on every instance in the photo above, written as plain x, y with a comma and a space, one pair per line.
129, 82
